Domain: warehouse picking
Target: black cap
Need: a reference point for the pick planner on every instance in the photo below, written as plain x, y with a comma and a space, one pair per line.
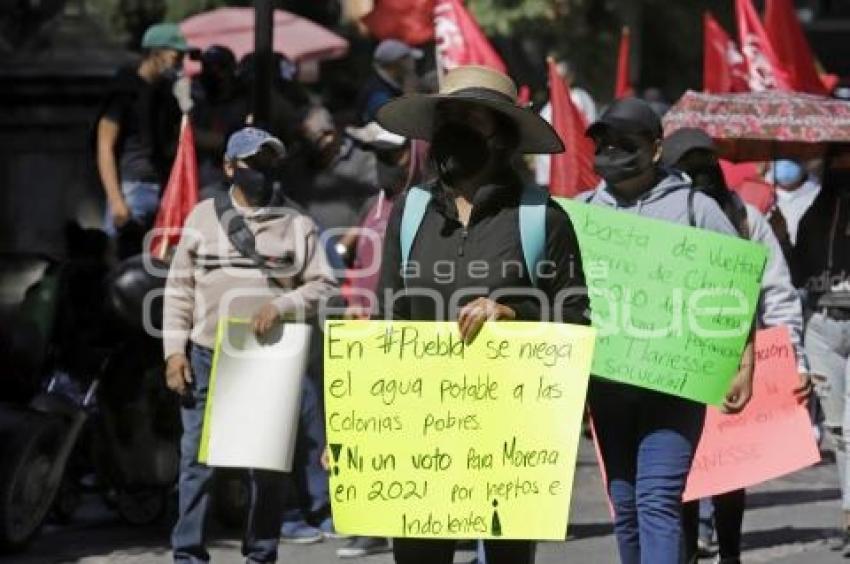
679, 143
218, 55
628, 115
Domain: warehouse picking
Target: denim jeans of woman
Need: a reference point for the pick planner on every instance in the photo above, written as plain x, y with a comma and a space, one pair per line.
647, 440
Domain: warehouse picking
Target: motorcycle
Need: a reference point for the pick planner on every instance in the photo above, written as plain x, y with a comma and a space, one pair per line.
87, 407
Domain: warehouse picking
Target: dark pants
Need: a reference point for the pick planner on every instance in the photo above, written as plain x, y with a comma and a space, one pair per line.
437, 551
309, 498
647, 440
267, 488
728, 521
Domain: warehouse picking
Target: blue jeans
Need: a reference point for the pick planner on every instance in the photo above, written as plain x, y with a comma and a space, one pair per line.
143, 200
267, 488
309, 499
647, 441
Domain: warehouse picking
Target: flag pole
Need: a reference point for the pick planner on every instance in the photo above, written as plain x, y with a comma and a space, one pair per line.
263, 40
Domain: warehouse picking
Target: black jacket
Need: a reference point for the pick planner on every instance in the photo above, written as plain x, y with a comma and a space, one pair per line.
820, 260
453, 262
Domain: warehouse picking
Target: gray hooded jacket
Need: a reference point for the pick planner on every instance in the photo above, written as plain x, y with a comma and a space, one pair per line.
668, 201
779, 304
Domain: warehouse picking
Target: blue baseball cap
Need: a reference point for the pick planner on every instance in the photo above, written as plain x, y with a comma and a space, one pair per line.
248, 141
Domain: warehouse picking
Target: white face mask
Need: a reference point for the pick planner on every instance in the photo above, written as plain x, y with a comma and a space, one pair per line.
788, 173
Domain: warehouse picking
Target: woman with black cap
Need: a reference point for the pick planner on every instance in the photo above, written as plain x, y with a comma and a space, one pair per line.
647, 439
471, 216
693, 152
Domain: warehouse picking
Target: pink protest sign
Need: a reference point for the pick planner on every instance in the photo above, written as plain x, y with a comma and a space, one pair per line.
770, 438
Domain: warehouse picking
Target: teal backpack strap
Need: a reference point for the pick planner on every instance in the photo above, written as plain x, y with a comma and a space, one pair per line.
415, 204
532, 228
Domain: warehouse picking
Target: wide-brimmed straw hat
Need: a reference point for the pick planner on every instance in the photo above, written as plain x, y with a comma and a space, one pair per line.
413, 115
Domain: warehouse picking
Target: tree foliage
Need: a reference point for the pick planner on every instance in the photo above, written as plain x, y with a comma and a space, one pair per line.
666, 37
585, 32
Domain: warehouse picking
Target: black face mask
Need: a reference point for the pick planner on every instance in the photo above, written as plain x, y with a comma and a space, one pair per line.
459, 152
171, 74
615, 164
257, 185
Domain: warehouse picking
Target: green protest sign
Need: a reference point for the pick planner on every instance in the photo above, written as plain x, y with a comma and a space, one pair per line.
673, 304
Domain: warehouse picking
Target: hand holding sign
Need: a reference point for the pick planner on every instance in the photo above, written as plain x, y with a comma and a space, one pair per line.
741, 389
254, 396
473, 315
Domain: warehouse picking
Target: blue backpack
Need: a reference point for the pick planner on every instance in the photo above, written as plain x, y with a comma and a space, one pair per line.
532, 224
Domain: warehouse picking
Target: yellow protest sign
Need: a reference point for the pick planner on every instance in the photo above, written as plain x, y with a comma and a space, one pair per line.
430, 437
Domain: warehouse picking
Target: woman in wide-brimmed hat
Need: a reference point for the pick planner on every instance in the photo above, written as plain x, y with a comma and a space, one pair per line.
471, 218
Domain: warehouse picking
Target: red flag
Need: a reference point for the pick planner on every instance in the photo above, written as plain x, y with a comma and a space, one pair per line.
406, 20
623, 87
180, 196
764, 71
523, 97
459, 39
570, 172
785, 33
723, 69
830, 81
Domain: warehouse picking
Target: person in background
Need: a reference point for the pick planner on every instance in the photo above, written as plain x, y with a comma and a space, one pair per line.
207, 268
341, 176
306, 517
345, 175
796, 189
136, 136
289, 100
647, 439
395, 165
693, 152
220, 108
393, 74
820, 267
583, 102
287, 84
476, 128
656, 100
396, 170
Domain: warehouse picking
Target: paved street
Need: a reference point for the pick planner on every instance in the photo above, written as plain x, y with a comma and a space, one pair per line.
787, 522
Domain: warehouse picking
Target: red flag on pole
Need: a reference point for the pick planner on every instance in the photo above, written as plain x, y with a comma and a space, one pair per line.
623, 87
459, 39
410, 21
793, 50
764, 71
724, 69
180, 196
571, 172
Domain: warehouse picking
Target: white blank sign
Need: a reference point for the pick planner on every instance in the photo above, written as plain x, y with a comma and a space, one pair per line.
251, 418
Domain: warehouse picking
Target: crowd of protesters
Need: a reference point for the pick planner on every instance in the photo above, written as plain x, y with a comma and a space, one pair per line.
466, 148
